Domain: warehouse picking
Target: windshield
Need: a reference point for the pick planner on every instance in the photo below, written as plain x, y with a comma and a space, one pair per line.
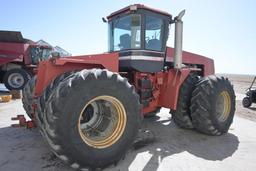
40, 54
153, 33
125, 33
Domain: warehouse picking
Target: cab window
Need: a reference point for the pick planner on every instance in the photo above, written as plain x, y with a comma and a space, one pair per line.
125, 33
153, 33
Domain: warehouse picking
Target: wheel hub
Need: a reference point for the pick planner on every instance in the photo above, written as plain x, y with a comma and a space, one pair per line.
223, 106
102, 121
16, 80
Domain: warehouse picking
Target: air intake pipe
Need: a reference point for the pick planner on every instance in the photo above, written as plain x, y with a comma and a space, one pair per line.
178, 40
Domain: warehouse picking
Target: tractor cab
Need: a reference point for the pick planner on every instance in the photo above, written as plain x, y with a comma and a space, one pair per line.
139, 34
39, 53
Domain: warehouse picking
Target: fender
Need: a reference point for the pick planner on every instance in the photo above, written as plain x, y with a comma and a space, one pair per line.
169, 90
166, 86
50, 69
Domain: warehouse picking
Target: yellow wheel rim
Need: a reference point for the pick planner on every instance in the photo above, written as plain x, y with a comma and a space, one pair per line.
223, 106
102, 121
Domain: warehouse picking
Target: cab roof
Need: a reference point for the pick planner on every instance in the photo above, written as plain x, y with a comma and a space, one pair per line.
136, 7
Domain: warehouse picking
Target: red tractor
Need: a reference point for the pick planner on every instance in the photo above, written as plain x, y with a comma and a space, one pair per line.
19, 58
89, 108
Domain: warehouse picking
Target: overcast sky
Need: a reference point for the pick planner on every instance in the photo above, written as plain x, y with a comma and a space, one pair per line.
224, 30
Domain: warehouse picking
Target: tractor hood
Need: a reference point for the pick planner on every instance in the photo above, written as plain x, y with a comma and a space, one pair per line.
204, 63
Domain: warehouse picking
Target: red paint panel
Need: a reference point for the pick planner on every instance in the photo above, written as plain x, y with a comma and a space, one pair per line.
169, 90
50, 69
166, 87
191, 58
12, 52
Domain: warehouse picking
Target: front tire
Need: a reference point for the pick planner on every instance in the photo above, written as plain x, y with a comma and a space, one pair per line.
247, 102
75, 127
213, 105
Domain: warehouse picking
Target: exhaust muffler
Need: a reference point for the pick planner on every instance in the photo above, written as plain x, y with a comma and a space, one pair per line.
178, 40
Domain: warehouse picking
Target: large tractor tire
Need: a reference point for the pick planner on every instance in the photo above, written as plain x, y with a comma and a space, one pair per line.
27, 96
16, 79
182, 115
92, 118
42, 100
213, 105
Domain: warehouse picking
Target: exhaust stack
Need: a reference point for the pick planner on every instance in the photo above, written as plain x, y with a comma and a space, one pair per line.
178, 40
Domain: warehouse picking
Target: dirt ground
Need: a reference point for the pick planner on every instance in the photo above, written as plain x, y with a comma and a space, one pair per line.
173, 148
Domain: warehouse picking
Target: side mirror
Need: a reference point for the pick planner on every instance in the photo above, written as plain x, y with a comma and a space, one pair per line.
104, 20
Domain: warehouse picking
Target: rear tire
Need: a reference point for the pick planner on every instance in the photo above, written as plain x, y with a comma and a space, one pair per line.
182, 115
16, 79
42, 100
28, 96
74, 106
213, 105
247, 102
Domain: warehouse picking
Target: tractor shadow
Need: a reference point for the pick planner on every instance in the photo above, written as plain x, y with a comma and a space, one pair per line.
252, 108
170, 140
23, 149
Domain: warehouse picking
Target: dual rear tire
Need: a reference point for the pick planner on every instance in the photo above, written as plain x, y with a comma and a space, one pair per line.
207, 105
182, 115
213, 105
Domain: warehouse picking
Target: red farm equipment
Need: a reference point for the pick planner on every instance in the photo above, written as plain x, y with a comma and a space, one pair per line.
89, 108
19, 58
